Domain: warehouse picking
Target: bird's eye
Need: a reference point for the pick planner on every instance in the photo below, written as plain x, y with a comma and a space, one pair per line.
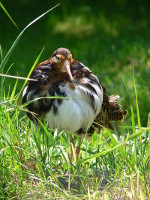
58, 58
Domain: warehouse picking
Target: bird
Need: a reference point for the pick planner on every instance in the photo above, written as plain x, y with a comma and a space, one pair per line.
70, 97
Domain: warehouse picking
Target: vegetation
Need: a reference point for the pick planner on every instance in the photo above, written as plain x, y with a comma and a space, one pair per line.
113, 40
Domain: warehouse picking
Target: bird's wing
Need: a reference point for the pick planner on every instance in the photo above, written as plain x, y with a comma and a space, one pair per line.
37, 93
80, 71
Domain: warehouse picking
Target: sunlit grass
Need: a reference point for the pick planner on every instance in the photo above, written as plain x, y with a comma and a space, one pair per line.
34, 162
9, 16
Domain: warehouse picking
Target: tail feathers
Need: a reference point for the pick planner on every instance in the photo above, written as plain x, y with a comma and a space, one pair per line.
111, 111
114, 111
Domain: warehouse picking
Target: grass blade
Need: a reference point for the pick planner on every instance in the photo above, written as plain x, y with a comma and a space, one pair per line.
4, 61
35, 63
4, 9
1, 53
137, 106
100, 154
131, 107
119, 145
17, 77
13, 92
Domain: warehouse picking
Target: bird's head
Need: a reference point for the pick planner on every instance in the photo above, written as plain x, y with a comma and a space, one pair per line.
61, 59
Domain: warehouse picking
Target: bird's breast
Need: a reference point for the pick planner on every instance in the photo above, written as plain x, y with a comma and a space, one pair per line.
77, 107
68, 106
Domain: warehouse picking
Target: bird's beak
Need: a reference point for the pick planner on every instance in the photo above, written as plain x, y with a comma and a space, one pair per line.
67, 67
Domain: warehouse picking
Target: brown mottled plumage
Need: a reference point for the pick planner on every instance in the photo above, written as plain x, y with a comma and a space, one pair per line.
70, 96
111, 111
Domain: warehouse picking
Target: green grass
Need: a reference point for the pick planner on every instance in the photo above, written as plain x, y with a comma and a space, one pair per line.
34, 162
112, 164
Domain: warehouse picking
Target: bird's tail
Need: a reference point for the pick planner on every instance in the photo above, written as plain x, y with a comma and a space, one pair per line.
111, 111
114, 111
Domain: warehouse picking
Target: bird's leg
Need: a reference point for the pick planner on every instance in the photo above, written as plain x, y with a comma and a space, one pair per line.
78, 149
72, 146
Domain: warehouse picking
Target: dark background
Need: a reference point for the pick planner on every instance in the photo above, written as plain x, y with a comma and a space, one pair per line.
110, 37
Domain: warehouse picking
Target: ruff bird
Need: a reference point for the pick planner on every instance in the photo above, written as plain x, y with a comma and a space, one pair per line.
71, 98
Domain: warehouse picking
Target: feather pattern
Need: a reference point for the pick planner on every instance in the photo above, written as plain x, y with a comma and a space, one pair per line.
69, 96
